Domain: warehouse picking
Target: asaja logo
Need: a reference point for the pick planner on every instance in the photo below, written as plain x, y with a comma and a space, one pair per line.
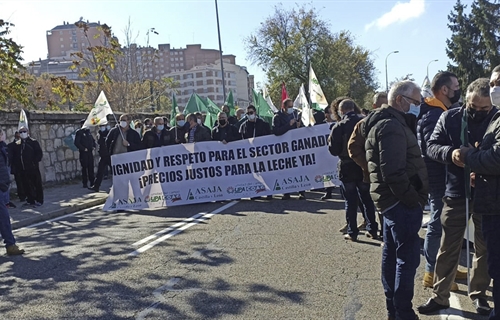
203, 191
299, 181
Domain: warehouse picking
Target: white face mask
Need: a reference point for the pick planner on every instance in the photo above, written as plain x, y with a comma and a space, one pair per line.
495, 96
181, 123
123, 124
289, 110
198, 121
24, 135
102, 129
108, 127
251, 116
160, 127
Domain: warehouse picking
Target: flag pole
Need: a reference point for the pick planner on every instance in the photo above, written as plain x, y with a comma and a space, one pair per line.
465, 142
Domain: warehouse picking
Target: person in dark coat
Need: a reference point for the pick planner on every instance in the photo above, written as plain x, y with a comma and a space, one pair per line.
351, 174
223, 131
122, 138
253, 126
19, 183
5, 226
445, 141
196, 132
178, 132
157, 136
484, 162
26, 157
284, 120
104, 159
85, 143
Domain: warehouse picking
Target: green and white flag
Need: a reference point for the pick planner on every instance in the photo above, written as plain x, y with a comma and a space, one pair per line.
318, 99
268, 100
174, 111
230, 103
301, 103
97, 115
23, 120
426, 91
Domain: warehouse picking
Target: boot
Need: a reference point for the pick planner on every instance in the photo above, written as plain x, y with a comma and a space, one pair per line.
14, 250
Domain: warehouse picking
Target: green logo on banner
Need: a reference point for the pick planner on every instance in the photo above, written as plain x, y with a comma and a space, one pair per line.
277, 185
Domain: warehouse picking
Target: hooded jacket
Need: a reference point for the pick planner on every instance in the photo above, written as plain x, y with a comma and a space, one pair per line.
430, 111
397, 170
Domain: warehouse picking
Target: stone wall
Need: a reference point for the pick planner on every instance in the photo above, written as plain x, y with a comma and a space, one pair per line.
59, 163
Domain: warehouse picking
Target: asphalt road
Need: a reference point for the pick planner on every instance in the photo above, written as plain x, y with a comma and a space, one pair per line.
251, 259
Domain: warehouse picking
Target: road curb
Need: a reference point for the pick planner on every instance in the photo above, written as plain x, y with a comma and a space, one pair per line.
58, 212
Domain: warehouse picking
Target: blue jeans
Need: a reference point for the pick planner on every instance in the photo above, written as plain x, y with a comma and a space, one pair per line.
5, 227
434, 230
400, 258
352, 191
490, 227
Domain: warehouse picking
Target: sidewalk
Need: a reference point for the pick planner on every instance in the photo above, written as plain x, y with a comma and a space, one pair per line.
58, 200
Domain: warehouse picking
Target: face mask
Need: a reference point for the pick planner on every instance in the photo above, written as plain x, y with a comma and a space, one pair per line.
495, 96
102, 129
24, 135
222, 122
477, 116
198, 121
108, 127
123, 124
289, 110
160, 127
456, 96
251, 116
181, 123
414, 110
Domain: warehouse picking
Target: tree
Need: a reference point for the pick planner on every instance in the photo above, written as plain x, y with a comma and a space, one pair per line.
409, 76
290, 40
13, 77
473, 45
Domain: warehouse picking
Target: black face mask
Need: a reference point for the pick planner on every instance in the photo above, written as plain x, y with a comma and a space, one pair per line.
456, 96
477, 116
222, 122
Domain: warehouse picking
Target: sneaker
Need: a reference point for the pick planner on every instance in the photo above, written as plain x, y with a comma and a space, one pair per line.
481, 306
10, 205
362, 227
373, 236
94, 188
14, 250
343, 229
348, 237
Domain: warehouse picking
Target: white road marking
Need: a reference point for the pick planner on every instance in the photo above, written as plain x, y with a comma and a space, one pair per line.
59, 218
192, 221
457, 309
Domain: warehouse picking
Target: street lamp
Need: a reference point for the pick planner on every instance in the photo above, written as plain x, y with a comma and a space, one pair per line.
220, 52
386, 78
428, 67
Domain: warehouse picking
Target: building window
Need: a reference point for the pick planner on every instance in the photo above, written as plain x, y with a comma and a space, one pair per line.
62, 45
180, 58
176, 59
171, 59
60, 32
182, 64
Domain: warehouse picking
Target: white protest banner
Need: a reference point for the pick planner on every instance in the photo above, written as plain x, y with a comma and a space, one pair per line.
211, 171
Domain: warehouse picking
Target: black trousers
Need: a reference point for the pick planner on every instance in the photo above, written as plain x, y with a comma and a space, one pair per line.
104, 162
20, 187
32, 183
87, 162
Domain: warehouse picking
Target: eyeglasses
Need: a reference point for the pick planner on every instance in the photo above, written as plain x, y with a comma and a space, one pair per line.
416, 102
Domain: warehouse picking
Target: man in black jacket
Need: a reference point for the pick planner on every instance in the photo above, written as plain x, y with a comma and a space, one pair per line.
284, 120
27, 154
157, 136
196, 132
104, 160
446, 91
443, 144
223, 131
178, 132
85, 143
484, 163
351, 174
5, 226
17, 175
399, 186
122, 138
253, 126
